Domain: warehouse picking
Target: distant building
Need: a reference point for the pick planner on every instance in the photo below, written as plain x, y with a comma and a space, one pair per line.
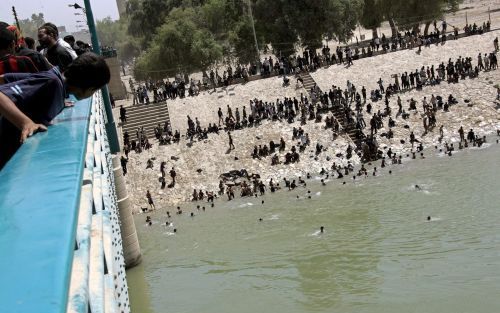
122, 7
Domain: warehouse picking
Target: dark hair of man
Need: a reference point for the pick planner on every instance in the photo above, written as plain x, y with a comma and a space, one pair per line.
89, 70
53, 28
3, 25
51, 31
69, 38
30, 42
6, 38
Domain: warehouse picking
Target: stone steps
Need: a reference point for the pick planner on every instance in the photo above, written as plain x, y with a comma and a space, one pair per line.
339, 114
147, 116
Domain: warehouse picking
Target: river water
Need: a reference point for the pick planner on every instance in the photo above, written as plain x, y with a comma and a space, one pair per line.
378, 252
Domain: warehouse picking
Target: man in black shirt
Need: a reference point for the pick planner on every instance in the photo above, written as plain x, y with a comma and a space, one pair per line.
38, 59
56, 54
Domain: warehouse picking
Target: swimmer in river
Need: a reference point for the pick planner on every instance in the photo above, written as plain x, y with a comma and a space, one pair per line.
192, 214
390, 172
150, 223
417, 187
428, 218
260, 219
175, 230
212, 205
203, 208
322, 229
323, 182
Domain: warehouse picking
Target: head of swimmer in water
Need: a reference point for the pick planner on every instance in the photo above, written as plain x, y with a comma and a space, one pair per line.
322, 229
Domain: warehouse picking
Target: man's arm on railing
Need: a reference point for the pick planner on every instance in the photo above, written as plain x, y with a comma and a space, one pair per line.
11, 113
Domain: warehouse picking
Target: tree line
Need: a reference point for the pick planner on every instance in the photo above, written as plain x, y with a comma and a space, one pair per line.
167, 37
182, 36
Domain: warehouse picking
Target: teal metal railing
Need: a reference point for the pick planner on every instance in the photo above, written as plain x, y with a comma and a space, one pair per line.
60, 239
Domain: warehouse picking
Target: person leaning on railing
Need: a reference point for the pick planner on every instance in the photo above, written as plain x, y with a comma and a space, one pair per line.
29, 102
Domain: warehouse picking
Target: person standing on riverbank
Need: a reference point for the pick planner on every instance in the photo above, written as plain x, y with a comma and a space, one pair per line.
173, 174
123, 162
231, 144
461, 133
150, 200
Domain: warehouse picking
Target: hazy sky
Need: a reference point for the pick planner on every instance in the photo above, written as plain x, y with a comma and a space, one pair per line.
56, 11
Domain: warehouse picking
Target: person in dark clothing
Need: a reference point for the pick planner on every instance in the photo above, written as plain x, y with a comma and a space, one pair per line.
71, 41
112, 100
470, 135
10, 63
25, 47
38, 59
123, 162
56, 54
123, 114
231, 144
173, 174
29, 102
30, 43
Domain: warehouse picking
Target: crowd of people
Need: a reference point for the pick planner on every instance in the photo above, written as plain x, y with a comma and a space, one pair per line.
323, 107
452, 72
309, 60
355, 104
253, 187
36, 81
288, 109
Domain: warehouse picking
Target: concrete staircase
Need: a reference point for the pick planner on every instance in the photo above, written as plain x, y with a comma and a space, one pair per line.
147, 116
308, 80
339, 114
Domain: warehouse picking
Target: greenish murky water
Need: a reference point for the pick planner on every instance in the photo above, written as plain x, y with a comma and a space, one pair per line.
377, 254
